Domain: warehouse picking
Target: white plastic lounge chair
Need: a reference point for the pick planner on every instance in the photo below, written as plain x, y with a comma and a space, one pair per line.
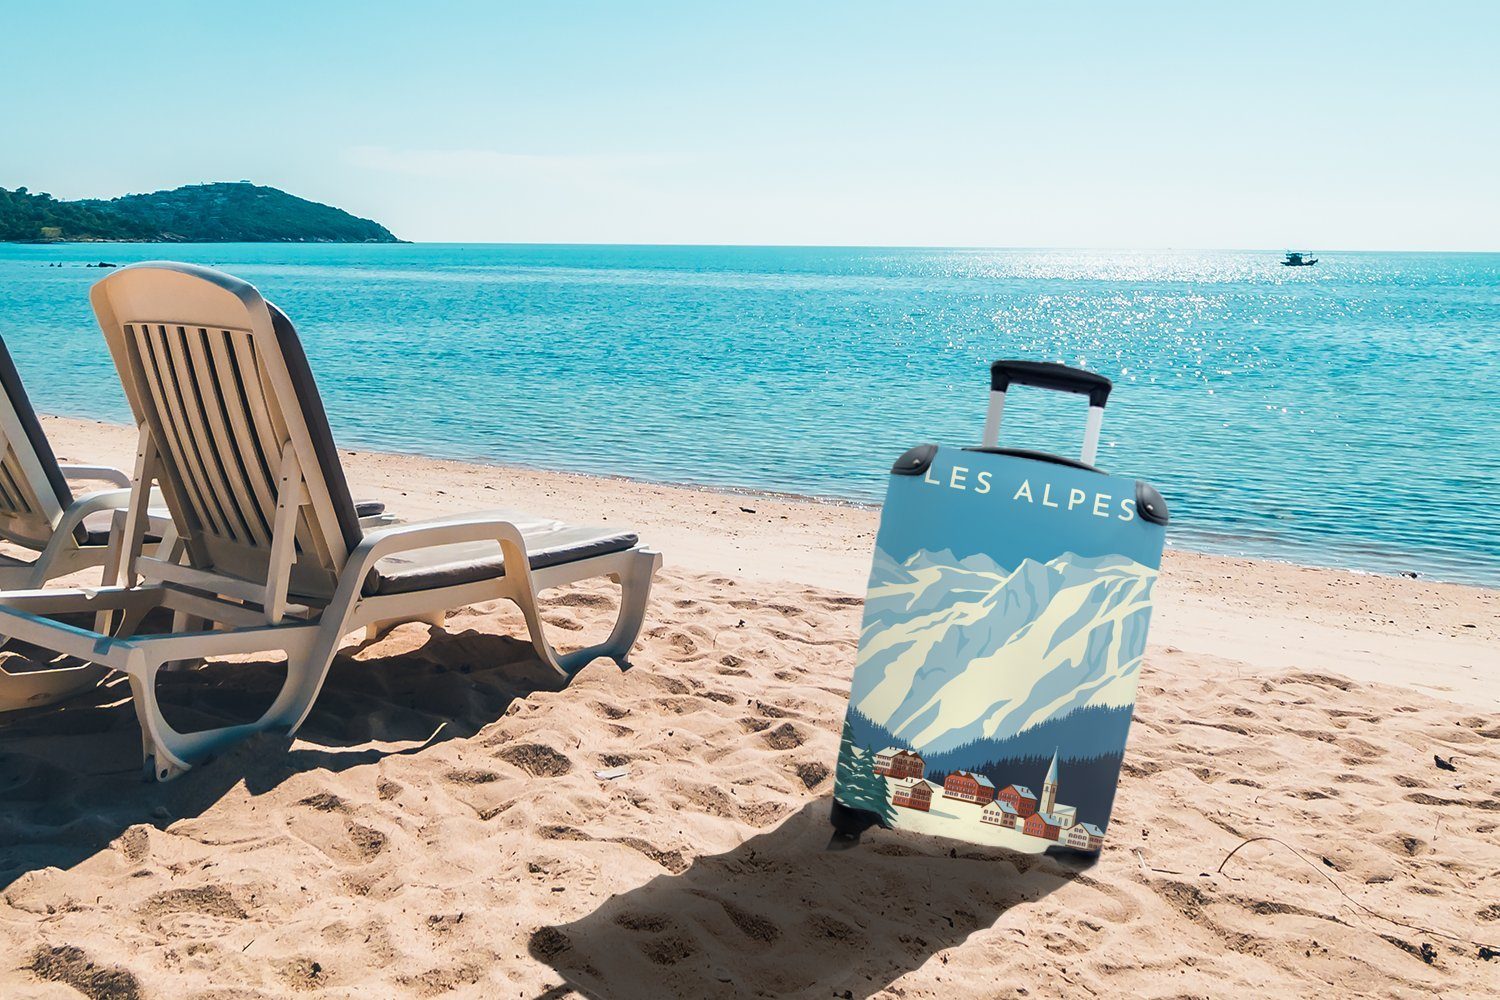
232, 428
40, 514
38, 511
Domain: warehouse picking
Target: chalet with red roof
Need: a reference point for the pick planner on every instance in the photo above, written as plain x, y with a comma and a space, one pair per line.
1044, 825
966, 786
1021, 799
893, 762
911, 793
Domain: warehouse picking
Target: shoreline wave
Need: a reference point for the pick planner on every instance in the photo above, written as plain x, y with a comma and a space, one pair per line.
1433, 567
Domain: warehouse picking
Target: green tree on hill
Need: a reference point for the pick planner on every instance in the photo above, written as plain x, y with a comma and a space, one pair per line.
858, 786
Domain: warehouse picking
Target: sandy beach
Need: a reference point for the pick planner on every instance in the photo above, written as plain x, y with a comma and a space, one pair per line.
1310, 803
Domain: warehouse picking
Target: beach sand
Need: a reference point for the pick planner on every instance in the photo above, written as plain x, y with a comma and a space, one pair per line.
1310, 803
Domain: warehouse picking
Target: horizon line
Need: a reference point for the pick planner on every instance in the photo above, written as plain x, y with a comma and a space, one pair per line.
747, 246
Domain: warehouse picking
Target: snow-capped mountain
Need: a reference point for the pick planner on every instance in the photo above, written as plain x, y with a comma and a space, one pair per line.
958, 650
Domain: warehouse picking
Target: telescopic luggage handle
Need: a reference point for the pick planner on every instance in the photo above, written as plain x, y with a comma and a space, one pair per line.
1048, 375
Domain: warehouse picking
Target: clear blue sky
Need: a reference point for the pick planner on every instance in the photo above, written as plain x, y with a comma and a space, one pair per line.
1331, 125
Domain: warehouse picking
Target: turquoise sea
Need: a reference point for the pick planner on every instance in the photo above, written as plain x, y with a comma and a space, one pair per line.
1343, 415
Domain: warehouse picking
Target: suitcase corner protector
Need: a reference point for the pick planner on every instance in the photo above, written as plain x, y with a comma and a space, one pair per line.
915, 461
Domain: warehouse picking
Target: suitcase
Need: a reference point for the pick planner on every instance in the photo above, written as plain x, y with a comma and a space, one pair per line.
1002, 640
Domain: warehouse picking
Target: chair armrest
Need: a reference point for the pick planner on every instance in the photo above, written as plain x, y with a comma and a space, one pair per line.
92, 503
101, 473
480, 527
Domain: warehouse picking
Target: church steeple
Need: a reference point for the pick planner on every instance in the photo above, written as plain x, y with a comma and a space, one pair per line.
1049, 786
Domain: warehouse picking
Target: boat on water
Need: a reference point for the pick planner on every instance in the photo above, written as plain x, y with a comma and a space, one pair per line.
1295, 258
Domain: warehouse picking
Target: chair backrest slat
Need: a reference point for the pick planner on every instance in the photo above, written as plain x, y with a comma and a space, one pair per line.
219, 378
230, 418
155, 373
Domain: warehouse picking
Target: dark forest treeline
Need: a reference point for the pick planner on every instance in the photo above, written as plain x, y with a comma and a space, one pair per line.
1094, 731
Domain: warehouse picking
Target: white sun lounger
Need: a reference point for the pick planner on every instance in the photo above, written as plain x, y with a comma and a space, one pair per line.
39, 513
38, 510
275, 557
57, 533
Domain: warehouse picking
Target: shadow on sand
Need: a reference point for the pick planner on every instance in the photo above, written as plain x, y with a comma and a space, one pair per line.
781, 916
70, 774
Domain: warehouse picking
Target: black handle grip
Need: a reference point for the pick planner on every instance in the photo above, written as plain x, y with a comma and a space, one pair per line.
1050, 375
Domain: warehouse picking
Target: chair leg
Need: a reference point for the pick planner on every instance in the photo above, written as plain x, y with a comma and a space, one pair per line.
635, 593
167, 753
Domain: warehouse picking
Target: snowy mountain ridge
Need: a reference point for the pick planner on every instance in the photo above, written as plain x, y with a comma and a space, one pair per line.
954, 650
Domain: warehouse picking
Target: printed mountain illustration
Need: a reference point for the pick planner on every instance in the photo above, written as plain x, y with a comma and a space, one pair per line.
962, 651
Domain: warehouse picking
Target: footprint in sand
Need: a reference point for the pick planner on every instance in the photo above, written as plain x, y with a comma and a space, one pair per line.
135, 843
563, 620
71, 966
671, 685
756, 928
582, 599
812, 773
784, 737
646, 923
536, 759
438, 982
365, 842
303, 974
763, 814
205, 911
672, 861
324, 802
681, 706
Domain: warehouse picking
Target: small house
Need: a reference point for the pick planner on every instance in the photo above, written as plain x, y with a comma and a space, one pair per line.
1000, 813
1044, 825
912, 793
1021, 799
1084, 837
893, 762
966, 786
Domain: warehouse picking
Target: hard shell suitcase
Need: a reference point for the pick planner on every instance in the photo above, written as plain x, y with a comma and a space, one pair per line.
1002, 640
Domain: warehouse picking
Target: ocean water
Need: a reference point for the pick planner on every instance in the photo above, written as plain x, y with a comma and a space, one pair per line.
1342, 415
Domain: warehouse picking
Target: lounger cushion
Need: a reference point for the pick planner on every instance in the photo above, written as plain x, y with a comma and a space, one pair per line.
548, 543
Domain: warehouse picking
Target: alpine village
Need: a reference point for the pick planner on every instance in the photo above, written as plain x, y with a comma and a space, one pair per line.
1014, 807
